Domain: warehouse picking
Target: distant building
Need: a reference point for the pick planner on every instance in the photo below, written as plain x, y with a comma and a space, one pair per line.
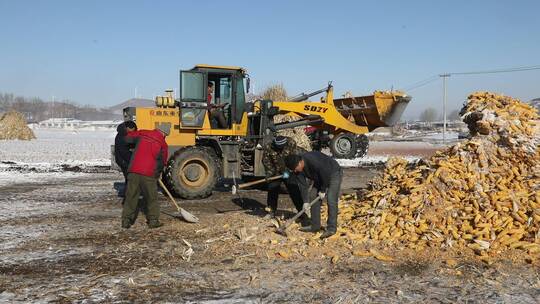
71, 123
61, 123
100, 124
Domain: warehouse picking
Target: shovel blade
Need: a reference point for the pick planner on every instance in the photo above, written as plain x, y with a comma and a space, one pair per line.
188, 217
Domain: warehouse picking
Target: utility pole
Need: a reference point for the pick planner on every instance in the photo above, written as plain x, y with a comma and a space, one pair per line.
444, 76
53, 104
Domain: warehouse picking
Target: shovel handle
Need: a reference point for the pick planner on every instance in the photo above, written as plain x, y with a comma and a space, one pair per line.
260, 181
294, 218
169, 194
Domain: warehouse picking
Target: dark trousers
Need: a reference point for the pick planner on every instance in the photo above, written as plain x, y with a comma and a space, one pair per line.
332, 197
219, 116
146, 185
273, 194
122, 191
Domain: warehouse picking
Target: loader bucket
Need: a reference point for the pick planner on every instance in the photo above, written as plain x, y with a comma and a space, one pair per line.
382, 109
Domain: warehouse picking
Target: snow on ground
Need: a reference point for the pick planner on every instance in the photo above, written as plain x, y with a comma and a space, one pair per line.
439, 136
10, 176
48, 156
370, 161
61, 147
380, 151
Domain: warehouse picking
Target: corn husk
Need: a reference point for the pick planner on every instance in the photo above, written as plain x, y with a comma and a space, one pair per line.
482, 193
13, 126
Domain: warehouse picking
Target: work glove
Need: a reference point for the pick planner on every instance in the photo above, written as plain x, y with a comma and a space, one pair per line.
322, 195
306, 207
286, 175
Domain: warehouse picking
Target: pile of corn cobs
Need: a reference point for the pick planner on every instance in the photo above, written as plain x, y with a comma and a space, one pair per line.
482, 193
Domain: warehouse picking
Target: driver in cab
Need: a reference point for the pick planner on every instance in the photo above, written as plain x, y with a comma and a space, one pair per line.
215, 111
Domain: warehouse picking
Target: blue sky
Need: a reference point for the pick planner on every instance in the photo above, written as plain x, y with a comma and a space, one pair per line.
98, 52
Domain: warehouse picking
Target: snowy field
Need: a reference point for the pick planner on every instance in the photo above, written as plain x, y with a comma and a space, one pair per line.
371, 160
61, 153
60, 147
380, 151
53, 155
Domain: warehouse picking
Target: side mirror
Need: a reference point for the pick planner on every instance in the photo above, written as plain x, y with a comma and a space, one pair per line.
247, 84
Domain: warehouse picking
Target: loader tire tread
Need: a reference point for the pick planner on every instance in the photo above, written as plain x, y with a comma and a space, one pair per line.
362, 145
174, 181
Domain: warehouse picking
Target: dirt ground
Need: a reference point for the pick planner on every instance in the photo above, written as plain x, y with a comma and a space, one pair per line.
62, 243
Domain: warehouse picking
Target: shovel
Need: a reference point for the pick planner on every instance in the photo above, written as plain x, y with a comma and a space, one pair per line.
283, 228
188, 217
235, 188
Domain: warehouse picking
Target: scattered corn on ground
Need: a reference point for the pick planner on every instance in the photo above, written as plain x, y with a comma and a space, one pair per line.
482, 193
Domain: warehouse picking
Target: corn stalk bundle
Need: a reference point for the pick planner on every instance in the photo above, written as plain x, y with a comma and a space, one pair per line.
298, 133
277, 92
13, 126
482, 193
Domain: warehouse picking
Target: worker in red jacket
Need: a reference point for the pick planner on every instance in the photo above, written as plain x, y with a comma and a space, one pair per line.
148, 160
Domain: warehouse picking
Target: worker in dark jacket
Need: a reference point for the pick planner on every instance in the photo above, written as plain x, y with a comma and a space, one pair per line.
273, 160
148, 160
122, 150
326, 175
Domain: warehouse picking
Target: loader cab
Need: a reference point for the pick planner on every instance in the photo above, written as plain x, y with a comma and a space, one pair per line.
228, 93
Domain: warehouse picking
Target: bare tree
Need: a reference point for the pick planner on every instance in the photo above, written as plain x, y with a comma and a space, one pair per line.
37, 110
454, 115
275, 92
428, 115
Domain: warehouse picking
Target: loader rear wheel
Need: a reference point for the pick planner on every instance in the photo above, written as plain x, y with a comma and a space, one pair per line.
193, 172
343, 145
362, 145
348, 145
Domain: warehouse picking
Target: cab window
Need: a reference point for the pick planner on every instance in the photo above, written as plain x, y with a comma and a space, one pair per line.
240, 100
225, 88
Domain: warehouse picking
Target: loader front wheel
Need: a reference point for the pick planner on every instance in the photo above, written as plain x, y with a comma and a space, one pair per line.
344, 145
193, 172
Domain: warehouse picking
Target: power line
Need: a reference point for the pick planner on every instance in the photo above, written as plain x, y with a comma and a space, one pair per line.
421, 83
508, 70
433, 78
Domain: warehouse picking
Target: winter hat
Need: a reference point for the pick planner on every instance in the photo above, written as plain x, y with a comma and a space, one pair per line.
279, 142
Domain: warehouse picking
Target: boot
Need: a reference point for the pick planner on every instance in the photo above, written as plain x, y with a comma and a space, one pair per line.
270, 215
327, 234
126, 223
310, 229
154, 224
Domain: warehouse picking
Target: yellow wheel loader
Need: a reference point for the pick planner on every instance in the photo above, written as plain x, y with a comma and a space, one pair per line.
201, 151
